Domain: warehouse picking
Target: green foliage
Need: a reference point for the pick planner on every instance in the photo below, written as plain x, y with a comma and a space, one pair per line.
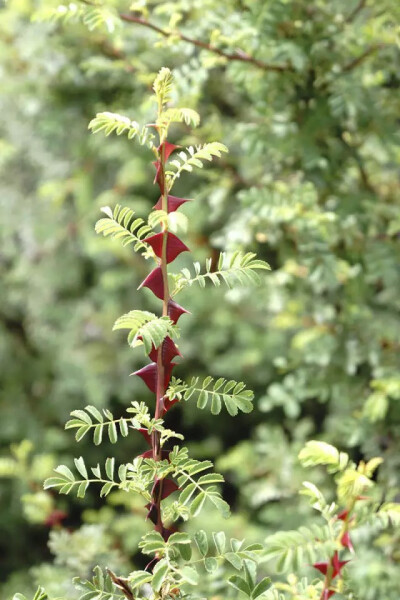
231, 269
292, 549
163, 86
65, 481
40, 595
139, 476
146, 328
377, 404
193, 157
101, 587
233, 394
180, 115
121, 224
92, 16
306, 99
83, 422
195, 491
248, 585
112, 122
320, 453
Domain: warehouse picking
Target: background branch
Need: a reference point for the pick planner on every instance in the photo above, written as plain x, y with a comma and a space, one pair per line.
239, 55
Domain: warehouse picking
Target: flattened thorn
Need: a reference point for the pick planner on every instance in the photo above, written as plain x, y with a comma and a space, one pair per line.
122, 584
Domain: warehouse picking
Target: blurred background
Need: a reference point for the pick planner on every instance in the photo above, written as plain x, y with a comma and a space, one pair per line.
306, 97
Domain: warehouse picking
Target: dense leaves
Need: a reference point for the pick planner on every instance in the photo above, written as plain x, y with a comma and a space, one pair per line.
305, 97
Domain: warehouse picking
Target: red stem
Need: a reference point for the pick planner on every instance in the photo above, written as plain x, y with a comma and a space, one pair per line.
160, 391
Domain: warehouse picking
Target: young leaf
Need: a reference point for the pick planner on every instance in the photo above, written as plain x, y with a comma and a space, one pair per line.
122, 224
138, 578
209, 392
146, 328
220, 541
320, 453
200, 537
237, 268
159, 573
112, 122
240, 584
262, 587
189, 575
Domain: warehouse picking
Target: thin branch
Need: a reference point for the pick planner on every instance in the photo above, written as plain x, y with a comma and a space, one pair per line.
356, 10
239, 55
359, 59
116, 54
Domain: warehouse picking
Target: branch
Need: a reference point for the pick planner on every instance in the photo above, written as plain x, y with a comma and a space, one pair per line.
239, 55
359, 59
116, 54
356, 10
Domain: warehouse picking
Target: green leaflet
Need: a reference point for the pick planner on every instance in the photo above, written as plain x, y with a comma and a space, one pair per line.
159, 574
91, 420
195, 491
121, 224
65, 480
320, 453
93, 17
179, 115
100, 587
193, 157
232, 269
39, 595
151, 330
213, 394
138, 578
111, 122
293, 548
163, 86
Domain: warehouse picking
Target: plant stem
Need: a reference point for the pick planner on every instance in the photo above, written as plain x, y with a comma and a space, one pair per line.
160, 365
239, 55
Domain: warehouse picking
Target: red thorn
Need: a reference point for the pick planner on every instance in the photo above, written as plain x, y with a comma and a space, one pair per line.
322, 567
149, 375
168, 149
166, 533
145, 434
343, 515
168, 352
152, 512
174, 245
149, 454
337, 564
155, 282
175, 311
159, 176
168, 487
173, 203
167, 404
334, 562
346, 541
55, 518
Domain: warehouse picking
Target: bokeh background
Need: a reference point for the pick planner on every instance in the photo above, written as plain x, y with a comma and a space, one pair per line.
306, 97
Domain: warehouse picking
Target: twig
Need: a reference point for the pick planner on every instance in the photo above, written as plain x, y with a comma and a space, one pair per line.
359, 59
356, 10
117, 54
239, 55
